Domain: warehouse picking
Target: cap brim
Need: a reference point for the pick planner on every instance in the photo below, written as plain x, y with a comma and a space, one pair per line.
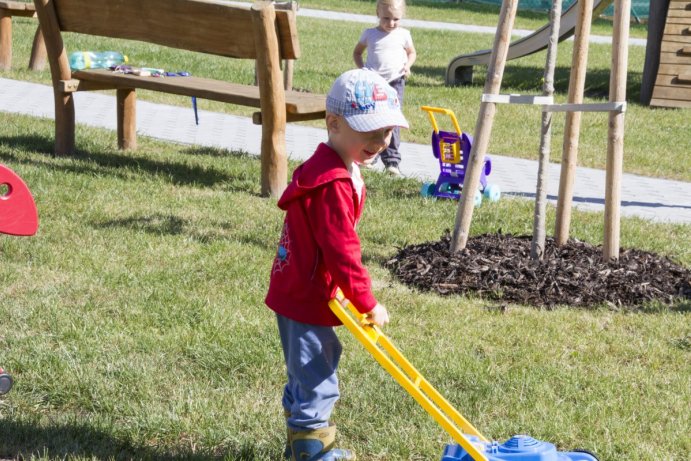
372, 122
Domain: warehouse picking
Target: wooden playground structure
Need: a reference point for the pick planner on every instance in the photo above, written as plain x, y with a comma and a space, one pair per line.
667, 69
573, 108
667, 72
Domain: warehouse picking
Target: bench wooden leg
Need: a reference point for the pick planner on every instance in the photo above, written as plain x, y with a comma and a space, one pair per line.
64, 123
274, 161
38, 51
127, 118
5, 40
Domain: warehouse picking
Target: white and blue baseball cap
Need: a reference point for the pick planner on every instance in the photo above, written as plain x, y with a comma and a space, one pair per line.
365, 100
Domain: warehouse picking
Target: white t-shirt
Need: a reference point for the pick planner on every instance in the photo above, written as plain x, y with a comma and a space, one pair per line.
356, 177
386, 51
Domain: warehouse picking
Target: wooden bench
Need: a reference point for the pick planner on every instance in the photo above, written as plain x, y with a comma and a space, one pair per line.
262, 33
38, 50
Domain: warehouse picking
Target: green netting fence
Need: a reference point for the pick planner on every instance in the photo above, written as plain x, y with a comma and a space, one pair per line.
639, 8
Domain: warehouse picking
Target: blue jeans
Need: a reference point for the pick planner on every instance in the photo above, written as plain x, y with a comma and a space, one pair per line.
391, 155
311, 353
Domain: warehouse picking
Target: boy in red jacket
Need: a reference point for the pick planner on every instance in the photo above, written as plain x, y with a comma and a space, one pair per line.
319, 251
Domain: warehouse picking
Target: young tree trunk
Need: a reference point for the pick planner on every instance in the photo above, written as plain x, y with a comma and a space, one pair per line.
537, 248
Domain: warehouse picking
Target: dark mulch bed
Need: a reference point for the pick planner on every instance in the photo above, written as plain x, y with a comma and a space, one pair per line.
499, 267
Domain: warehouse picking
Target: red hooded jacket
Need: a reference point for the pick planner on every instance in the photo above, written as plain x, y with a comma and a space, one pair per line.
319, 249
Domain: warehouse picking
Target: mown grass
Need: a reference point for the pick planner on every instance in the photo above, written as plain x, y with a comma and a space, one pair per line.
462, 12
656, 142
134, 325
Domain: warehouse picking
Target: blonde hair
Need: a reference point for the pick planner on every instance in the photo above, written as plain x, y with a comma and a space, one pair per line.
397, 4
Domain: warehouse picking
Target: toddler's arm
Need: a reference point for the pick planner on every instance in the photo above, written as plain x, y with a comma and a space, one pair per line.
357, 54
412, 55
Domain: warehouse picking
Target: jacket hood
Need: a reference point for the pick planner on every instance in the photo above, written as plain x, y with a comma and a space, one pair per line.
324, 166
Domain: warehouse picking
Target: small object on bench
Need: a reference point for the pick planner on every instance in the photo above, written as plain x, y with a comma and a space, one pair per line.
38, 49
261, 33
96, 59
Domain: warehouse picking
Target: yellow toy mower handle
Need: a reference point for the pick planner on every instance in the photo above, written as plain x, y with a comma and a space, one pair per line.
383, 350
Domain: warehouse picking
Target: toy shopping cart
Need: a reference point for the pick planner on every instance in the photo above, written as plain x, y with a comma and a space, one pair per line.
452, 149
470, 444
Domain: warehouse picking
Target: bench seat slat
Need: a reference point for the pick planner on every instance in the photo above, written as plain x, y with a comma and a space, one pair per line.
205, 88
19, 9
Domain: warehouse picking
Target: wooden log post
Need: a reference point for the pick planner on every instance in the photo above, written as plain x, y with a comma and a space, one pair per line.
288, 65
274, 161
483, 126
5, 39
37, 61
537, 247
60, 71
127, 117
573, 121
615, 138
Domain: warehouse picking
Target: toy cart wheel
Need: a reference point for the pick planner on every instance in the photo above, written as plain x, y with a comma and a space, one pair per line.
478, 198
427, 189
5, 383
492, 192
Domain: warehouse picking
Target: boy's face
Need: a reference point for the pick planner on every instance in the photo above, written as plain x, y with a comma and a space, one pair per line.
389, 17
356, 146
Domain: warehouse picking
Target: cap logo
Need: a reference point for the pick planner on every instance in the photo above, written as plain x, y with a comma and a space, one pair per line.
366, 95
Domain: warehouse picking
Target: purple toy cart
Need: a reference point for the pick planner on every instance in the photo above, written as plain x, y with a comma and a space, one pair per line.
453, 152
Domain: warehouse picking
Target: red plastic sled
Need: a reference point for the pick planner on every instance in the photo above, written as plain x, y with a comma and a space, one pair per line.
18, 215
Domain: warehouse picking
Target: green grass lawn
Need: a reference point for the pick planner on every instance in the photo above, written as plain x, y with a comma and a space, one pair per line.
656, 143
134, 325
463, 12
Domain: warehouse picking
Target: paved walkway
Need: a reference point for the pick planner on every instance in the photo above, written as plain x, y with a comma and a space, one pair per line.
650, 198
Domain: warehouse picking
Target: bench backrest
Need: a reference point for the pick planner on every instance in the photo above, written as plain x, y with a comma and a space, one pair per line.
197, 25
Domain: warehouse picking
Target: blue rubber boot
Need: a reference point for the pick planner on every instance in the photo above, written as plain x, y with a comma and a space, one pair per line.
317, 445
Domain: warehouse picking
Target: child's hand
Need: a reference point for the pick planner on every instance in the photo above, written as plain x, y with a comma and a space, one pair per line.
406, 71
379, 315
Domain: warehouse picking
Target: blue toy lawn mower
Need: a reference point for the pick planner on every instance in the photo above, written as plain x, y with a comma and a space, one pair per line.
470, 444
452, 149
517, 448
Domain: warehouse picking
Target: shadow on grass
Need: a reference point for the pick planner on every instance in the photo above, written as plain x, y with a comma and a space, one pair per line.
601, 201
157, 224
529, 79
122, 165
22, 440
169, 224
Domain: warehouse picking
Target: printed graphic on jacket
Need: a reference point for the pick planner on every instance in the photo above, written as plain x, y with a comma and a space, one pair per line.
283, 252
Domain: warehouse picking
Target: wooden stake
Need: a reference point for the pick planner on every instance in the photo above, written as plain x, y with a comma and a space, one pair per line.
573, 121
537, 248
615, 139
483, 127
